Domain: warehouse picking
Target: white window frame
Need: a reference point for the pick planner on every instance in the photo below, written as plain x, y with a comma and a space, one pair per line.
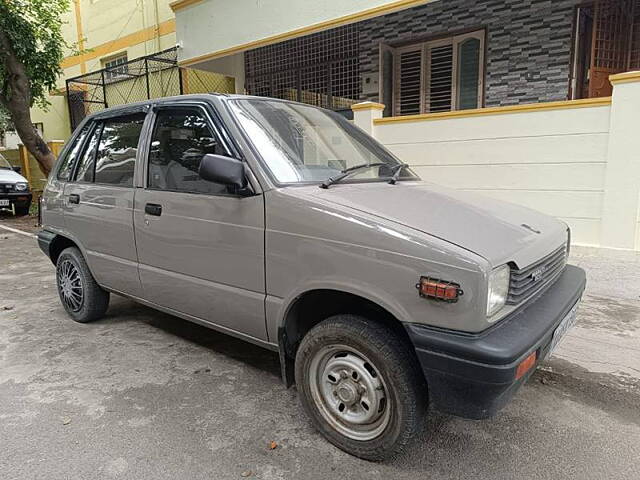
426, 47
458, 40
116, 61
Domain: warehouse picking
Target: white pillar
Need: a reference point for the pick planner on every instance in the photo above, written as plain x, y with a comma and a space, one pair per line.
239, 72
365, 113
622, 178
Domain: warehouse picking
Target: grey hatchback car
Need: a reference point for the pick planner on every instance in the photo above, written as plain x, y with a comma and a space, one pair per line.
287, 226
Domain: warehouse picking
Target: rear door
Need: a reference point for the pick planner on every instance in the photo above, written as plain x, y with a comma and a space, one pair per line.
200, 247
98, 201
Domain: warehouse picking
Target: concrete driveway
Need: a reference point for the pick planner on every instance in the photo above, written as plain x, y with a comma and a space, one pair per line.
143, 395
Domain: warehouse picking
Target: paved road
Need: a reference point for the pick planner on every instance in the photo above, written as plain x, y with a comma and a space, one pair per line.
143, 395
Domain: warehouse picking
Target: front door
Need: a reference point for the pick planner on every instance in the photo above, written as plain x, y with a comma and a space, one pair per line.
98, 201
604, 35
200, 247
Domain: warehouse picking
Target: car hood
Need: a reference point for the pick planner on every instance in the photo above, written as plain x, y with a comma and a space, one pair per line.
500, 232
9, 176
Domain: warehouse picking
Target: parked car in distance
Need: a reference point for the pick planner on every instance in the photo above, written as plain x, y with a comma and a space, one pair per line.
14, 189
287, 226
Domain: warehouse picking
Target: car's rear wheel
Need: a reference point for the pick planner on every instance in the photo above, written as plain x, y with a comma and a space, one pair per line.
361, 386
82, 298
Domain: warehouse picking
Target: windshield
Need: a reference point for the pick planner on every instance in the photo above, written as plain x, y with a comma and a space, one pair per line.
4, 163
301, 143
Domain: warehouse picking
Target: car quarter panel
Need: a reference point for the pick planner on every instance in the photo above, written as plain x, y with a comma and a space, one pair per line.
311, 244
52, 204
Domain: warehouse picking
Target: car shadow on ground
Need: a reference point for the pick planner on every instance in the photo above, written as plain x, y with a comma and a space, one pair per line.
26, 223
124, 310
541, 419
435, 432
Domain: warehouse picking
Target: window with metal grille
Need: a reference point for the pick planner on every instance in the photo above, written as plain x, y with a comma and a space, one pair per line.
439, 75
606, 41
115, 67
634, 60
321, 69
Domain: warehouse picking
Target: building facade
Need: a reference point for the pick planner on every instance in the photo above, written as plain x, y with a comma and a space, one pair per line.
526, 102
427, 57
108, 33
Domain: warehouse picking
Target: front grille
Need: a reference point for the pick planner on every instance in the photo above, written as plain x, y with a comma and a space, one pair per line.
6, 187
532, 279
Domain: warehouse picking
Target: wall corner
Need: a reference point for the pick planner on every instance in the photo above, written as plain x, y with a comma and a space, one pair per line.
622, 177
365, 113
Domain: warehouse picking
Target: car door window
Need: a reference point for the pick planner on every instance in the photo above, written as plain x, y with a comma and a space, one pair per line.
86, 169
69, 161
116, 154
181, 137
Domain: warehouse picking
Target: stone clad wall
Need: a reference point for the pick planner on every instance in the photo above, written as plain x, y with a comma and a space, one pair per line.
528, 43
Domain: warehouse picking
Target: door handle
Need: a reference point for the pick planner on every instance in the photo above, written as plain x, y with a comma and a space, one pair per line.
153, 209
74, 198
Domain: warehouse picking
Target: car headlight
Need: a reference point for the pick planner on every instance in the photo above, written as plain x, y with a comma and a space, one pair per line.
21, 187
498, 289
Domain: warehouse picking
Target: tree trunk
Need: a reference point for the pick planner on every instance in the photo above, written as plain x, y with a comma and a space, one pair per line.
31, 139
15, 97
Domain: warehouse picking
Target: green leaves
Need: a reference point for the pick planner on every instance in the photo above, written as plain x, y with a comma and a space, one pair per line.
5, 120
33, 28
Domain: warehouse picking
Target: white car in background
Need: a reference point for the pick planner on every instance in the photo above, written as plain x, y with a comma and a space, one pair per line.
14, 189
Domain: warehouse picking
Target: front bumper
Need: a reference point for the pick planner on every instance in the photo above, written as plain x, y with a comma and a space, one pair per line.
19, 199
474, 375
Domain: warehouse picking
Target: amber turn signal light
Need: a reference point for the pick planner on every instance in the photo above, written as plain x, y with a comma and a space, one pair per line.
439, 289
526, 365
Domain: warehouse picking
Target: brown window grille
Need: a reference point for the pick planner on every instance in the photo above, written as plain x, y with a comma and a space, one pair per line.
613, 39
613, 23
634, 60
321, 69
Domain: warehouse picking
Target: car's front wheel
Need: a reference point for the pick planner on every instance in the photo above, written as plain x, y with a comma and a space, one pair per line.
82, 298
361, 386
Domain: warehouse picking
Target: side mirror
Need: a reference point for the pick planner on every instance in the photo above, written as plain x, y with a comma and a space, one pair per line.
17, 169
225, 170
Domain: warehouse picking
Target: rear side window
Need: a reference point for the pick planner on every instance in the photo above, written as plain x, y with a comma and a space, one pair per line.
116, 154
181, 137
68, 162
85, 171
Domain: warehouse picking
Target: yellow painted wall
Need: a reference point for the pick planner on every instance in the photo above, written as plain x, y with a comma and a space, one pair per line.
105, 28
55, 120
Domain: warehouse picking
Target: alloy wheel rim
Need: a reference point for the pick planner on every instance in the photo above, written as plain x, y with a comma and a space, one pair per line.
70, 285
349, 392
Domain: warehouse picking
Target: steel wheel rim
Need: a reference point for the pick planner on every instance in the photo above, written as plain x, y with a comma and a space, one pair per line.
70, 285
349, 392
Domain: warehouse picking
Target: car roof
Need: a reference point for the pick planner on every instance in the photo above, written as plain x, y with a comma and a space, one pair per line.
178, 98
206, 97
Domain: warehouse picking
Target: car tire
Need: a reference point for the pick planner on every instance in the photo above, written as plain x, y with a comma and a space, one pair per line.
22, 211
80, 295
377, 404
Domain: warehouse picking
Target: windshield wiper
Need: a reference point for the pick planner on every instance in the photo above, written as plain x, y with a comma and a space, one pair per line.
396, 173
348, 171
